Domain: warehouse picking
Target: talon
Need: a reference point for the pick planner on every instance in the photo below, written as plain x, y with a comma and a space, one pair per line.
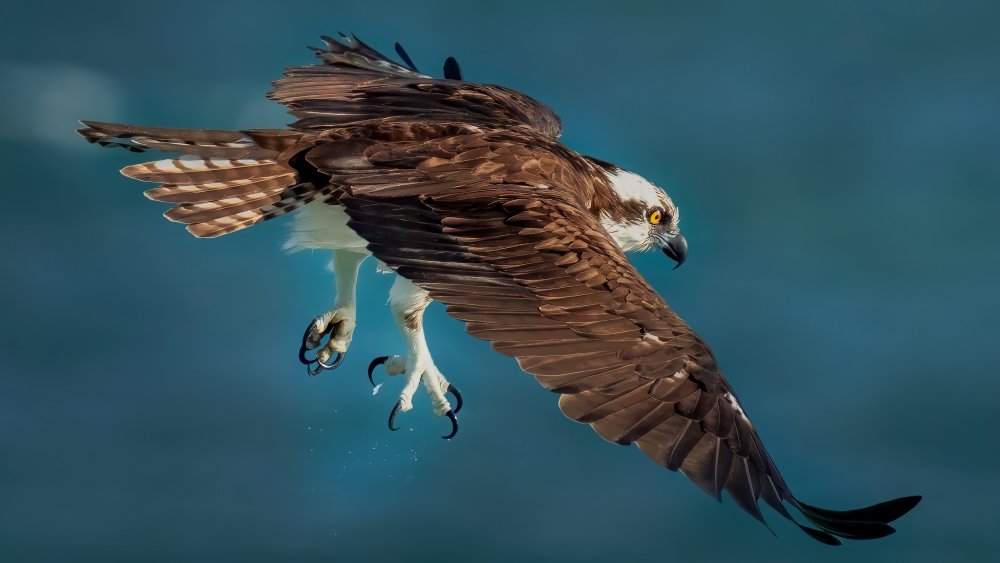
320, 366
454, 424
336, 361
458, 397
306, 345
392, 416
371, 367
310, 343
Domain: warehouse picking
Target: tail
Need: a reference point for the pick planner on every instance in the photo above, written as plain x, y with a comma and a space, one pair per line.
226, 180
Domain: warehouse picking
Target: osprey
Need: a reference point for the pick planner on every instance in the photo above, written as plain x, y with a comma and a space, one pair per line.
463, 190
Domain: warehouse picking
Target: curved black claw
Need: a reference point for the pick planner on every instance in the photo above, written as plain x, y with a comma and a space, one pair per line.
392, 416
334, 364
307, 344
311, 340
454, 424
371, 367
458, 397
317, 366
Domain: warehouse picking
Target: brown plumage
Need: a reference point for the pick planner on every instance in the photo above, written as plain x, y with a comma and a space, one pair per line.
359, 83
464, 189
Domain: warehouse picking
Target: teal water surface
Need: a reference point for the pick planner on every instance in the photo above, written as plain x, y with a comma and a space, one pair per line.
837, 169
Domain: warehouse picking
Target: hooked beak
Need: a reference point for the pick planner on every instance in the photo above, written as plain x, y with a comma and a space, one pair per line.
676, 247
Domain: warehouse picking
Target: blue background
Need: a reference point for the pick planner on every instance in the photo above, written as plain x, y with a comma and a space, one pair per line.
837, 167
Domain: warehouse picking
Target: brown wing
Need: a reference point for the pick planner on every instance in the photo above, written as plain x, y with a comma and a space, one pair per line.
357, 83
497, 226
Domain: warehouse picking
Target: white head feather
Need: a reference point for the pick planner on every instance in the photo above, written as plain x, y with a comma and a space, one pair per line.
637, 233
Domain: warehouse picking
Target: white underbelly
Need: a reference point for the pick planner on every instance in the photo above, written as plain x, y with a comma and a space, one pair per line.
321, 225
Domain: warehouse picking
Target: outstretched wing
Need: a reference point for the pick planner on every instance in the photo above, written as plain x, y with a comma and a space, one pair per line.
497, 227
357, 83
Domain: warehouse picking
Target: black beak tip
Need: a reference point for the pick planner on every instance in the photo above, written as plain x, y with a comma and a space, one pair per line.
677, 249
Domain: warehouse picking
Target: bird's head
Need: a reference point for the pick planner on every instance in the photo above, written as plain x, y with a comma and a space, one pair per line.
643, 216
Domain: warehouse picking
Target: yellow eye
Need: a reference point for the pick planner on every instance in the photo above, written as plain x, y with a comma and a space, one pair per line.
655, 216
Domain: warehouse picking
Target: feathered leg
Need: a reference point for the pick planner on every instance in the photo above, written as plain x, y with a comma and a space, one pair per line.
408, 303
339, 322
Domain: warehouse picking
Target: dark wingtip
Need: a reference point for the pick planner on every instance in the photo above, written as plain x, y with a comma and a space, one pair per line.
867, 523
895, 508
451, 69
819, 536
883, 512
406, 57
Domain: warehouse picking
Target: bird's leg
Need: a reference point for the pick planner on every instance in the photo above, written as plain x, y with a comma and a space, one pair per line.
337, 323
408, 303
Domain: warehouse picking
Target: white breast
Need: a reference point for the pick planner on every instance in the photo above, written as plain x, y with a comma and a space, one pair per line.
321, 225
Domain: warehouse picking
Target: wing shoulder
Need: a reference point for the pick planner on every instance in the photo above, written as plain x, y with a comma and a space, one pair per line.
356, 83
498, 228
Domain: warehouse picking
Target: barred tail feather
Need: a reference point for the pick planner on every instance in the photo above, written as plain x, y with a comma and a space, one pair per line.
227, 180
212, 191
195, 170
218, 196
202, 142
290, 199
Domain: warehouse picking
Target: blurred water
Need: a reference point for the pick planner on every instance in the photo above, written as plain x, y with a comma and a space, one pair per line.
837, 171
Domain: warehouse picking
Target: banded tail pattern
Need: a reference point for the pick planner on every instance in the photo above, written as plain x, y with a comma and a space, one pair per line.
225, 181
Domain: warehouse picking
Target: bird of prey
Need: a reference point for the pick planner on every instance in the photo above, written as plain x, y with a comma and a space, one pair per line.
463, 190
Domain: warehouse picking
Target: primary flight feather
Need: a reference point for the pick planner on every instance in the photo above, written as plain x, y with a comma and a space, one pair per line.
464, 191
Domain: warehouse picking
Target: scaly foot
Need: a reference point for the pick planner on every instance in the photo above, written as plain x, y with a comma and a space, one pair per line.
338, 325
417, 372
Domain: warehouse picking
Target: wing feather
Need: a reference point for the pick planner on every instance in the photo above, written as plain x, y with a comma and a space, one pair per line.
513, 248
356, 83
